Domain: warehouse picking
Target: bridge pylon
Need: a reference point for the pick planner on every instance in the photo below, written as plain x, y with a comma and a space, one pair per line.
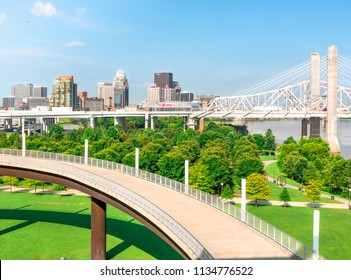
332, 85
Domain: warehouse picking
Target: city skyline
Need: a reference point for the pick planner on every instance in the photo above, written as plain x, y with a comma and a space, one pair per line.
220, 47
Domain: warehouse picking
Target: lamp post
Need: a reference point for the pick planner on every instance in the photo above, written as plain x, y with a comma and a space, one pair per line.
349, 198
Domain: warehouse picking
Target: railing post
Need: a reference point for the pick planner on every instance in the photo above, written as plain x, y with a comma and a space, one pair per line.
186, 179
137, 162
23, 139
243, 200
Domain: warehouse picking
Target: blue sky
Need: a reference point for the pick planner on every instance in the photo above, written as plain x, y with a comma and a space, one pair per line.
218, 47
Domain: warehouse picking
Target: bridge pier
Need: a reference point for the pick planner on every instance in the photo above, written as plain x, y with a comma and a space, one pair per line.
98, 229
315, 127
304, 125
92, 122
152, 123
120, 121
8, 123
146, 121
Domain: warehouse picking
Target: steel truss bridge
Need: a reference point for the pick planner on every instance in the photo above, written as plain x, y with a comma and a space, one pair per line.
287, 95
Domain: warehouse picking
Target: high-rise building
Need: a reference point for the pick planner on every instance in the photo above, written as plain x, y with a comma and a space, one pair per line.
94, 104
169, 90
40, 91
64, 93
186, 96
163, 79
116, 94
106, 92
121, 90
20, 91
82, 96
169, 94
155, 94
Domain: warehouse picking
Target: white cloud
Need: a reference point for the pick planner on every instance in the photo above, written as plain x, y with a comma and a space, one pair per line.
75, 44
2, 17
43, 9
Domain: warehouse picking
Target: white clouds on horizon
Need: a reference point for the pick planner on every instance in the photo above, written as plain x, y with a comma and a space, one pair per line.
2, 17
43, 9
75, 44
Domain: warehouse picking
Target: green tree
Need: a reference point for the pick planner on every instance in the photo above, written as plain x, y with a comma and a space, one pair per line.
285, 196
257, 187
247, 166
56, 132
313, 190
10, 181
269, 142
227, 192
199, 177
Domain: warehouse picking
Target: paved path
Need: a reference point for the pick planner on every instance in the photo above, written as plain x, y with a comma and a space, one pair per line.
344, 202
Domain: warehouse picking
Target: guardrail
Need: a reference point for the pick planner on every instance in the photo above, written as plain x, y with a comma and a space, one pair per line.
283, 239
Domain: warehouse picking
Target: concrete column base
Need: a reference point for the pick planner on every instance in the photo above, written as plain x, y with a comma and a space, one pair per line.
98, 229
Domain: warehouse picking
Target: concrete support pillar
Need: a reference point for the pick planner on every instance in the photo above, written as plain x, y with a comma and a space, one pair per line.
304, 125
8, 123
137, 162
186, 179
98, 229
152, 123
332, 80
57, 120
92, 122
315, 82
192, 123
315, 127
86, 151
243, 200
316, 216
185, 122
23, 138
120, 121
146, 121
201, 124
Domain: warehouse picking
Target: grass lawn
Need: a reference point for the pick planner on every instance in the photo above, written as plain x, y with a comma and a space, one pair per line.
335, 227
295, 195
265, 158
48, 227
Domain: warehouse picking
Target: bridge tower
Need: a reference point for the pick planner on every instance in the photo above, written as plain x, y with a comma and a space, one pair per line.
332, 80
315, 122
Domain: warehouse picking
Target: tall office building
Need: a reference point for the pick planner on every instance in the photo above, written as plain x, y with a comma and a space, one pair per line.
40, 91
121, 90
106, 92
186, 96
115, 94
163, 79
64, 93
155, 94
20, 91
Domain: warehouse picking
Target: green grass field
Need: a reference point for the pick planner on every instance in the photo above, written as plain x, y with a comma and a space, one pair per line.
335, 227
48, 227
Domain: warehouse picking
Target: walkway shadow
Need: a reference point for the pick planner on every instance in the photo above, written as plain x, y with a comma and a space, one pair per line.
132, 234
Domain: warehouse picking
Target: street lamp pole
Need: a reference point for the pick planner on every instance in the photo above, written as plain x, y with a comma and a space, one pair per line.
349, 199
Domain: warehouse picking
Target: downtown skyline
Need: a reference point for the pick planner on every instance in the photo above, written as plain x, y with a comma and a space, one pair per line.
219, 47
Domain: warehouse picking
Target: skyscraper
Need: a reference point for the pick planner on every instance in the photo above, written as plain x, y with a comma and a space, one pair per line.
116, 94
20, 91
64, 93
121, 90
40, 91
163, 79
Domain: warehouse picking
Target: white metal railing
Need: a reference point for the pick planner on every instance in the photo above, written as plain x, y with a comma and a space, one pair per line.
283, 239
